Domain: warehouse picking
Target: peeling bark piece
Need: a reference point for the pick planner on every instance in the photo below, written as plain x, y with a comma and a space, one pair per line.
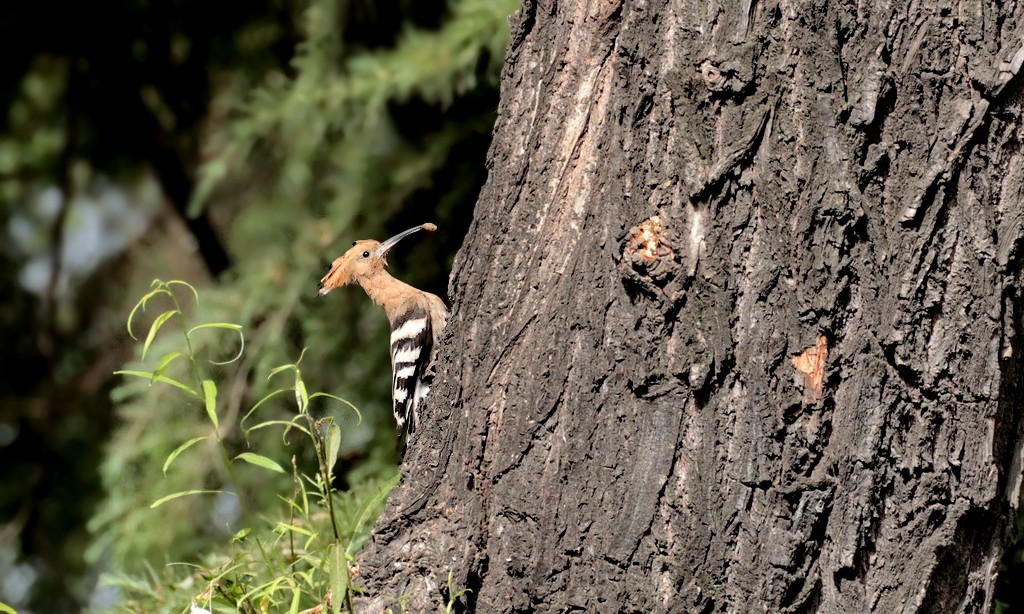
811, 364
646, 243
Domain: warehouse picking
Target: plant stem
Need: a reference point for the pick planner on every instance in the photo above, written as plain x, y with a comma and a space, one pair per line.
225, 459
325, 473
348, 592
188, 342
291, 510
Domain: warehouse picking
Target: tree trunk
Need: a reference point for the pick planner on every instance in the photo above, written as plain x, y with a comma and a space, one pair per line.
737, 325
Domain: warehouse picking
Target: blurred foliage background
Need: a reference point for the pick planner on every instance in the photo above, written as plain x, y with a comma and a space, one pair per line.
238, 146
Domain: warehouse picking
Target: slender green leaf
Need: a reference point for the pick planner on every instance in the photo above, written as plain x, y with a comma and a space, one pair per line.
302, 488
261, 401
162, 365
225, 326
290, 424
339, 399
186, 493
160, 378
259, 461
157, 323
156, 577
6, 609
210, 397
223, 572
177, 451
284, 526
333, 445
339, 577
142, 305
292, 504
178, 282
296, 595
301, 396
277, 370
268, 588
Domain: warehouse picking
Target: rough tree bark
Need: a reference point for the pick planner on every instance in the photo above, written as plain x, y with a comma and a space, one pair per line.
737, 325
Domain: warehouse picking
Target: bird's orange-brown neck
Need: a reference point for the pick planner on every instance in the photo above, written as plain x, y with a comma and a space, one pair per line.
387, 292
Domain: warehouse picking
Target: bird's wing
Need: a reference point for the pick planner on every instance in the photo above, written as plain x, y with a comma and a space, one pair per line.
411, 342
438, 313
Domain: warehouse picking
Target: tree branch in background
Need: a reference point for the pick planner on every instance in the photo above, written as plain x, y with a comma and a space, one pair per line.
49, 329
177, 184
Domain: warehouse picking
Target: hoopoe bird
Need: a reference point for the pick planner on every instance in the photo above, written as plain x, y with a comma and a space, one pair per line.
416, 319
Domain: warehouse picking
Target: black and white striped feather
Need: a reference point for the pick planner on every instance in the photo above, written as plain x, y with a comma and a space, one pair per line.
411, 342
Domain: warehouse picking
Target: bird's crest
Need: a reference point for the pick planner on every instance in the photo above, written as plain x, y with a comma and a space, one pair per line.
359, 261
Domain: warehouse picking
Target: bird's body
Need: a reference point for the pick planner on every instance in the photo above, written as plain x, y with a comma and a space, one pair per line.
416, 319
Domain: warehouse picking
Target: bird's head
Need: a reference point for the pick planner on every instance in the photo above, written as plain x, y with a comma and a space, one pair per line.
363, 260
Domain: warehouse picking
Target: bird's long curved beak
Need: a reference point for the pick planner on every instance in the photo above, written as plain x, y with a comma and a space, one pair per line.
386, 246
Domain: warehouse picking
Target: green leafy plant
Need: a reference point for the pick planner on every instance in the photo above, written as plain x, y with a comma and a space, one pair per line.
453, 595
203, 388
297, 555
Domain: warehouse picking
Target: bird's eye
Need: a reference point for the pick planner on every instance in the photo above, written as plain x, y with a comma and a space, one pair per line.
366, 254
